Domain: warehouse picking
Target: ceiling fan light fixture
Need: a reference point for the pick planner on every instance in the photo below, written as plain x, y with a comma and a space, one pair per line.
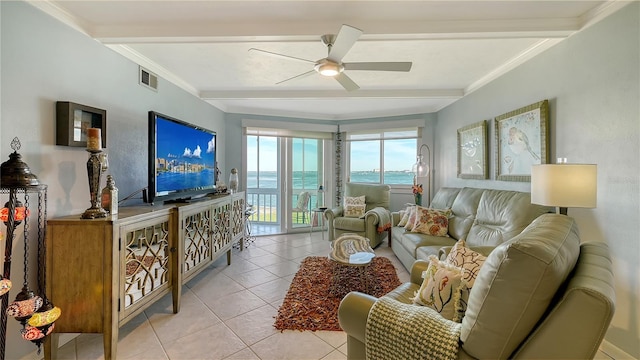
329, 69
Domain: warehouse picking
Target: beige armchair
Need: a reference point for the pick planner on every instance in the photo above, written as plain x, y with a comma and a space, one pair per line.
376, 220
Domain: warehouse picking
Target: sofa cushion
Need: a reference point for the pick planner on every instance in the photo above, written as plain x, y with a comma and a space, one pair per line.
464, 209
444, 198
431, 221
349, 224
375, 195
424, 252
441, 288
516, 285
411, 241
502, 215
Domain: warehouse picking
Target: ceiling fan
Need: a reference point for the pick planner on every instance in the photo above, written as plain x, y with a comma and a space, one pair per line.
332, 65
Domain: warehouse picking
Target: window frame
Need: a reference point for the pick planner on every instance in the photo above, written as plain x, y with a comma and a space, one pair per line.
381, 136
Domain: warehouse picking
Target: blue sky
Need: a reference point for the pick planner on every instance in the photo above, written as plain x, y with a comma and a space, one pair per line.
177, 141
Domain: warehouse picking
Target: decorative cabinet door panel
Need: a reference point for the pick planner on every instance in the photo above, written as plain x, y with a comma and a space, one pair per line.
196, 238
237, 217
145, 260
221, 233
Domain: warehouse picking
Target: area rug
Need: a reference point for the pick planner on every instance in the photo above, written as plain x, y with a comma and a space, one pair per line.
308, 304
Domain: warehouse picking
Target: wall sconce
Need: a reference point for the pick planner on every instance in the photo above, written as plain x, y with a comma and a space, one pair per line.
422, 169
564, 185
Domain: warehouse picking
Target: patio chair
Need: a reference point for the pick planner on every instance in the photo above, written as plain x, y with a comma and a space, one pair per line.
302, 206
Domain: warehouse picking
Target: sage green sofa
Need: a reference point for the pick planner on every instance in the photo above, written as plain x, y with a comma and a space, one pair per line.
539, 295
377, 217
484, 218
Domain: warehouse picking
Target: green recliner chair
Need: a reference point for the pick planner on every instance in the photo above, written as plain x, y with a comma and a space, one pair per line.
376, 220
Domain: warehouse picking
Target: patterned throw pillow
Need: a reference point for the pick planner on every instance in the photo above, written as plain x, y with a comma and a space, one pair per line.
441, 289
411, 218
354, 206
471, 261
431, 221
405, 215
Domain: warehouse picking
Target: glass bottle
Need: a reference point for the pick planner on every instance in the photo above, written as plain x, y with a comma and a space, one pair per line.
110, 196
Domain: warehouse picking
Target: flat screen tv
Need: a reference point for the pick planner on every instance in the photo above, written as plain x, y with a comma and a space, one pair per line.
182, 159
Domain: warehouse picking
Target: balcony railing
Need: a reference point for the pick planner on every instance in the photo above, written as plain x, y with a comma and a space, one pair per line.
266, 204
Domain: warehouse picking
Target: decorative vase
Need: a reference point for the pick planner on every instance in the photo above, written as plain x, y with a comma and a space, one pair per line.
233, 181
418, 198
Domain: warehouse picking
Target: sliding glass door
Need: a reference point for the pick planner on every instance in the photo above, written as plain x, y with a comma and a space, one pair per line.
305, 160
283, 176
263, 180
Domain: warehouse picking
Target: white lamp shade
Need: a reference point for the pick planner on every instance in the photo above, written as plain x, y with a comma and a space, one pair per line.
564, 185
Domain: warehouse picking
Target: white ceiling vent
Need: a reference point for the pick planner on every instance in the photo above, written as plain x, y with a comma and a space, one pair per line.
148, 79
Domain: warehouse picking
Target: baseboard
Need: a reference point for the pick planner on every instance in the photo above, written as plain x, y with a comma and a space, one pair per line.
63, 339
614, 351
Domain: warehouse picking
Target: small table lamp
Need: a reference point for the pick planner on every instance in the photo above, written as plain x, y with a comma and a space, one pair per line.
564, 185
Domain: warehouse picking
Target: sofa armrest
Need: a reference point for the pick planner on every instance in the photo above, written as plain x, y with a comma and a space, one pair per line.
444, 252
330, 215
353, 312
377, 215
416, 271
395, 218
333, 213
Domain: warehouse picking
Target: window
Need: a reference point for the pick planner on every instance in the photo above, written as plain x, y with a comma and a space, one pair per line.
383, 156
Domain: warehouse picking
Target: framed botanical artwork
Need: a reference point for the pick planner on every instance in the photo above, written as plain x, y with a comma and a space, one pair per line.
473, 151
522, 140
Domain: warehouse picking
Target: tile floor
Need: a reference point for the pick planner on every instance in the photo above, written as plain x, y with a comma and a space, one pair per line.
228, 312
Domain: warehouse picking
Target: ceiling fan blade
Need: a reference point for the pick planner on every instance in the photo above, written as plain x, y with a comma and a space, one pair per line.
281, 55
346, 82
345, 39
378, 66
300, 76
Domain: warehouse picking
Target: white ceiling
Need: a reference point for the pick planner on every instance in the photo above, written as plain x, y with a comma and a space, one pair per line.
202, 46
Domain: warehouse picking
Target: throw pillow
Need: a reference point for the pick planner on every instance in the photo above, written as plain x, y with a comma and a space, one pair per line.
354, 206
405, 215
431, 221
411, 218
463, 257
354, 200
441, 289
401, 215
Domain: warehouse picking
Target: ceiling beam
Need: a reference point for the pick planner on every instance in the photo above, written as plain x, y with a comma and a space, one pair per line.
334, 94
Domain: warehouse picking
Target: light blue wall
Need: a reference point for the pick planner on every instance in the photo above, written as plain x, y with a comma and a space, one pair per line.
44, 61
592, 81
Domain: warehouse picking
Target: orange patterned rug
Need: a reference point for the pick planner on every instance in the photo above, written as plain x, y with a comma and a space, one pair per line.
308, 304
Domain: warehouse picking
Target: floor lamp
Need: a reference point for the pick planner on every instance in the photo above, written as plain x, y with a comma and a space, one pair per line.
422, 169
564, 185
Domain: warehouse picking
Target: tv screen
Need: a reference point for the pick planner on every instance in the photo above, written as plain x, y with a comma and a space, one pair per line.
182, 159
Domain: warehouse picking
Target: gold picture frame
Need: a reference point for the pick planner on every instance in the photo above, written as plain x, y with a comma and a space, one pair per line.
522, 140
473, 154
